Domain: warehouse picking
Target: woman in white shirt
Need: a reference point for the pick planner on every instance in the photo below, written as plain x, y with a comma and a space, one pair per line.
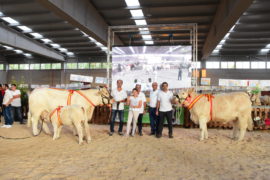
135, 104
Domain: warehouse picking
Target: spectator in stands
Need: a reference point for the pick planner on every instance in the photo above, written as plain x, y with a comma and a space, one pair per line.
6, 107
16, 105
1, 102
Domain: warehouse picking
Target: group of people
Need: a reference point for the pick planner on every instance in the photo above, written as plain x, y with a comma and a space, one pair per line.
160, 107
10, 101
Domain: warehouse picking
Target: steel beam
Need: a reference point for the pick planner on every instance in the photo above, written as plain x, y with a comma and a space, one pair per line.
15, 39
228, 12
81, 14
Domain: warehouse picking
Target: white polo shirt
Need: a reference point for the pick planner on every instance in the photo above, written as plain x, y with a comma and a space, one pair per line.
118, 96
134, 101
142, 97
153, 98
8, 95
165, 101
16, 102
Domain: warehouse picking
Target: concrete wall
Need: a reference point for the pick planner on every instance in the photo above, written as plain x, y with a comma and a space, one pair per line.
3, 77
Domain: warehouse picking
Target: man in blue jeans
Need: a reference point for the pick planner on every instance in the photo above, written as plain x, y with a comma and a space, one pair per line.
119, 98
6, 105
152, 109
16, 105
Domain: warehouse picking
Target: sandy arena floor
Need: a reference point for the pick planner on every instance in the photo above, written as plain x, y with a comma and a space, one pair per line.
116, 157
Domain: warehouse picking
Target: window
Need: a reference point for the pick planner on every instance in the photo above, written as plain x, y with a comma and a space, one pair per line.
56, 65
212, 65
227, 65
13, 66
83, 65
71, 65
242, 65
196, 65
268, 65
95, 65
45, 66
104, 65
258, 65
35, 66
1, 66
24, 66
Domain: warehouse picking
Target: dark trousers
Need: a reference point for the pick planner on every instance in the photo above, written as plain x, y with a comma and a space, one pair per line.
16, 112
7, 115
121, 118
162, 115
139, 124
153, 120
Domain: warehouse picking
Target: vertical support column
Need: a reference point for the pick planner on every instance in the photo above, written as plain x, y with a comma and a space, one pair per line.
108, 57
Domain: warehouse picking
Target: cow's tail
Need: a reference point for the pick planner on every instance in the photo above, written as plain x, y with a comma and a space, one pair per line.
250, 123
29, 117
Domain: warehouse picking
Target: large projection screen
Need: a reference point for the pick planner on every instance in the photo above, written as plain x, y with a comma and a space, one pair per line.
148, 64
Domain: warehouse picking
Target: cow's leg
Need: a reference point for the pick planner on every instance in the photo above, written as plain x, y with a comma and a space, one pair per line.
78, 126
242, 127
35, 120
59, 132
55, 130
46, 128
87, 131
203, 128
235, 129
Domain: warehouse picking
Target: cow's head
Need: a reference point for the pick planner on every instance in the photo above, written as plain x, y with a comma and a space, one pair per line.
185, 96
105, 95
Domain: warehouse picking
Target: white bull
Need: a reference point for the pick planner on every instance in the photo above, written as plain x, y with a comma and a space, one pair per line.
235, 107
47, 99
72, 115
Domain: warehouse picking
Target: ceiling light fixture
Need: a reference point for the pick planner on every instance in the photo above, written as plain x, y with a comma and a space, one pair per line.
25, 29
140, 22
132, 3
11, 21
136, 13
36, 35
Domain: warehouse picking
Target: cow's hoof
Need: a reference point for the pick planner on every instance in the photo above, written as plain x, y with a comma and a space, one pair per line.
89, 141
201, 139
81, 143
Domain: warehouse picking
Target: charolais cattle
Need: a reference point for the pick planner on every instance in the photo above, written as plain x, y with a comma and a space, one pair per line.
47, 99
230, 107
72, 115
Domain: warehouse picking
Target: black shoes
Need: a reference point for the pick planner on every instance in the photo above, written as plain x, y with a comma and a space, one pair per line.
120, 133
170, 136
110, 133
158, 136
140, 133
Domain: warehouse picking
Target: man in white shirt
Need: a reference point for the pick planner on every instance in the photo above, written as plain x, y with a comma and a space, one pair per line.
6, 105
164, 109
153, 108
142, 109
119, 98
16, 105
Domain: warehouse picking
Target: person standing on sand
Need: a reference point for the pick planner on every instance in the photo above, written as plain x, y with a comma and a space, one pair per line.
164, 109
119, 98
135, 104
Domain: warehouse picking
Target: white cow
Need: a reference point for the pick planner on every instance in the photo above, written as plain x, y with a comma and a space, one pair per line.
47, 99
72, 115
235, 107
